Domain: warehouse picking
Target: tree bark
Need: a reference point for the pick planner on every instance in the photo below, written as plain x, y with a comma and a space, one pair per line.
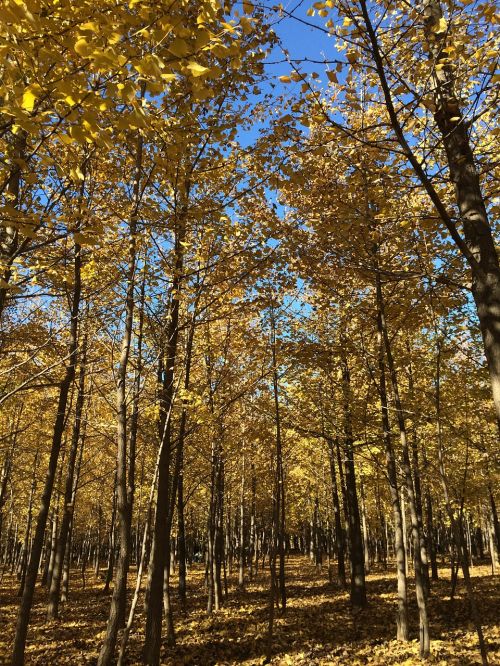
358, 586
457, 532
154, 620
123, 497
339, 530
9, 234
406, 467
280, 479
69, 375
390, 459
68, 508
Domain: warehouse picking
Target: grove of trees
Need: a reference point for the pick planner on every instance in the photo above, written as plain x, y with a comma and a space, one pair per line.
249, 314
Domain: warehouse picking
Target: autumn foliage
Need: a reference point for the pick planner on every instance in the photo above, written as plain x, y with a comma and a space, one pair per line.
249, 332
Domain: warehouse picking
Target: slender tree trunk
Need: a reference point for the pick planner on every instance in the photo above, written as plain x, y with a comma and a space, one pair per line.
339, 530
430, 528
364, 523
9, 234
140, 569
97, 564
27, 535
7, 466
66, 566
181, 532
154, 620
494, 515
457, 532
241, 536
406, 467
69, 375
418, 489
57, 569
252, 551
123, 492
280, 479
390, 459
181, 538
111, 541
358, 587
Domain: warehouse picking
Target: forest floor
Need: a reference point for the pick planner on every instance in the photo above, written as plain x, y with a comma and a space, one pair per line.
318, 628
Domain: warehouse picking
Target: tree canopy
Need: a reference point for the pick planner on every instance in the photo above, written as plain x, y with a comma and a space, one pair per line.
249, 326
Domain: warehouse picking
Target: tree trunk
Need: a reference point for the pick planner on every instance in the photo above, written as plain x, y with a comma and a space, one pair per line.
140, 568
339, 530
457, 532
252, 554
241, 535
181, 532
280, 479
9, 234
57, 569
418, 490
364, 523
406, 467
69, 375
154, 620
358, 587
111, 541
27, 535
124, 488
390, 459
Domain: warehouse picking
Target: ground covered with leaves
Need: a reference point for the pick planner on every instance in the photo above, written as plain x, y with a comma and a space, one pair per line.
318, 628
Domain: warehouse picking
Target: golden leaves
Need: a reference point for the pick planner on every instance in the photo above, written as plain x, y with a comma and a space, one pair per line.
82, 47
178, 48
196, 69
30, 96
440, 26
76, 174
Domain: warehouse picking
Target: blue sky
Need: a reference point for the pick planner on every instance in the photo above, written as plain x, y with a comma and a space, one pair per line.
303, 41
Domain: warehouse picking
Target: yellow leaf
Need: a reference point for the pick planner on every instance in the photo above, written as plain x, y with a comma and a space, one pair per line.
332, 76
440, 26
228, 26
247, 7
196, 69
91, 26
76, 174
30, 95
82, 239
246, 25
82, 47
178, 48
202, 39
285, 79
